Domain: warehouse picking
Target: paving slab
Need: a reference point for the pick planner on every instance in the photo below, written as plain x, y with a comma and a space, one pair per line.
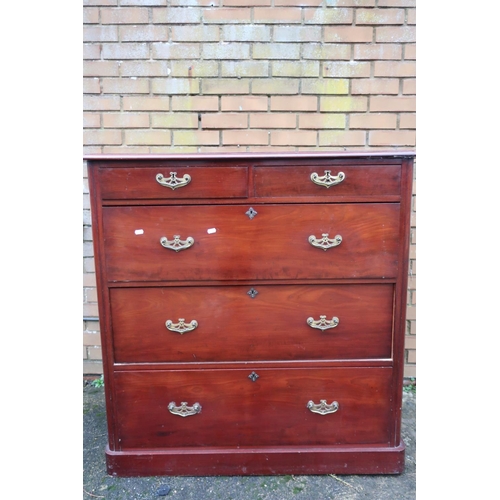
97, 484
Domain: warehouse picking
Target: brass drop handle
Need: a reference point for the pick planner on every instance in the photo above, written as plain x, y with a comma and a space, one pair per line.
173, 182
324, 242
322, 323
184, 410
176, 244
327, 180
181, 327
323, 408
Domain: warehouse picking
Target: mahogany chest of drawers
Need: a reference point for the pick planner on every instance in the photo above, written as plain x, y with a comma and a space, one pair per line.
252, 311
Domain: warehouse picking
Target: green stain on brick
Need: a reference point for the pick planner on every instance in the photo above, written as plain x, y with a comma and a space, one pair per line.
335, 86
347, 103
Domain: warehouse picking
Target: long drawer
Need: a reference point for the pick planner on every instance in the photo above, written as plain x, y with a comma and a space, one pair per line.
243, 323
236, 242
227, 408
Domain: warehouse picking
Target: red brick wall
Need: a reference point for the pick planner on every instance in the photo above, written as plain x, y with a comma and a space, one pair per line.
246, 75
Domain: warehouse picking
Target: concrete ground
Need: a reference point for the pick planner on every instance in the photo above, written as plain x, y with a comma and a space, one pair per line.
98, 485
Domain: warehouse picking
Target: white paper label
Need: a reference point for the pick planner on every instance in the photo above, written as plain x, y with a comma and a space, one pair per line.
139, 231
211, 230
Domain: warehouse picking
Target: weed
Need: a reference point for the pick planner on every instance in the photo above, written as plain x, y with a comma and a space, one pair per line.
98, 382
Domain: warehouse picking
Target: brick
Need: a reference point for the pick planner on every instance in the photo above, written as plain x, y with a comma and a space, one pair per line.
243, 103
273, 120
297, 34
196, 137
91, 120
195, 103
194, 69
175, 86
139, 150
124, 15
91, 339
177, 15
100, 34
380, 16
295, 68
373, 121
101, 68
375, 86
271, 86
410, 371
392, 138
91, 15
348, 34
147, 137
276, 51
245, 137
294, 103
278, 15
93, 137
396, 103
92, 368
341, 138
147, 33
100, 2
96, 103
397, 3
195, 3
411, 313
225, 51
246, 3
322, 121
408, 120
175, 50
144, 68
125, 51
91, 86
226, 86
378, 51
351, 69
227, 15
395, 34
125, 120
410, 342
298, 3
329, 86
143, 2
94, 353
412, 356
244, 68
328, 16
411, 16
339, 104
224, 120
131, 85
91, 51
144, 103
293, 138
176, 120
397, 69
410, 86
329, 51
246, 33
195, 33
410, 50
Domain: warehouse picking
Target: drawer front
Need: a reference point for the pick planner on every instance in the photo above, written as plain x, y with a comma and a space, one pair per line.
235, 411
229, 245
371, 181
142, 183
232, 326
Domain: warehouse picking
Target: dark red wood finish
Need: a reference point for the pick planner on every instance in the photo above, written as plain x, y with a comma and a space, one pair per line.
379, 180
235, 411
247, 427
272, 245
230, 323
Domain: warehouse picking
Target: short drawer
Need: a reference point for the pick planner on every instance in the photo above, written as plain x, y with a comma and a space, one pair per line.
330, 181
228, 408
166, 182
221, 242
224, 323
